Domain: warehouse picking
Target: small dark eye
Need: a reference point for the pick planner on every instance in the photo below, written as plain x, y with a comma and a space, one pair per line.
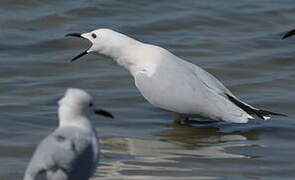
93, 35
90, 104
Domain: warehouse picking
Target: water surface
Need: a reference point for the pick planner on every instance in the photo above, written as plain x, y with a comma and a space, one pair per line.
237, 41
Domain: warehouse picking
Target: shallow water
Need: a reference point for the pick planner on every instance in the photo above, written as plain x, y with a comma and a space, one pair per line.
237, 41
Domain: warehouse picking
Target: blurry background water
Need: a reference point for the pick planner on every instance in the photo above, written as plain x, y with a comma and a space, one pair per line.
238, 41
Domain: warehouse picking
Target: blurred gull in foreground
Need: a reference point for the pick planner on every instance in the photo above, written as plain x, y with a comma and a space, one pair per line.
71, 151
169, 82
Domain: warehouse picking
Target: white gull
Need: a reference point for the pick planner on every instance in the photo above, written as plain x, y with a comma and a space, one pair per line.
71, 152
169, 82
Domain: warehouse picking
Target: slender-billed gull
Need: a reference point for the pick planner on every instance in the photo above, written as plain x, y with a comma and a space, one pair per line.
71, 152
170, 82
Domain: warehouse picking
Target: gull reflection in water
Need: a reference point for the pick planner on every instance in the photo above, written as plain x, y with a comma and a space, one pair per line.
163, 156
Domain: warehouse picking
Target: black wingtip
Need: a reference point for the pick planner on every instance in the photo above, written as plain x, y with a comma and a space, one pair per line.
264, 112
250, 110
288, 34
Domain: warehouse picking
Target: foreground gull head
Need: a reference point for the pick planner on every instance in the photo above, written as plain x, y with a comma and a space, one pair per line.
71, 151
170, 82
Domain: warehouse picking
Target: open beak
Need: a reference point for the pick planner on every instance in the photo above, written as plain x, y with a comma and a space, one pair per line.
79, 36
75, 35
103, 113
288, 34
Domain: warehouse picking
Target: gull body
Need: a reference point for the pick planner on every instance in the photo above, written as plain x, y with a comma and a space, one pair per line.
71, 151
169, 82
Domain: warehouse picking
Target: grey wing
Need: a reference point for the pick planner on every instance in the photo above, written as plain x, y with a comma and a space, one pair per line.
55, 157
214, 84
208, 79
179, 89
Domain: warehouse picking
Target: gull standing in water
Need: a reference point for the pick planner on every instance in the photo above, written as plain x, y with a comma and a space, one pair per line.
71, 151
170, 82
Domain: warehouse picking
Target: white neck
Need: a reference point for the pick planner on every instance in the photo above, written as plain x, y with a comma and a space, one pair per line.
128, 53
68, 117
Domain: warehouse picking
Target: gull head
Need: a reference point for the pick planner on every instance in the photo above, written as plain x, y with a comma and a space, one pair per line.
78, 103
103, 41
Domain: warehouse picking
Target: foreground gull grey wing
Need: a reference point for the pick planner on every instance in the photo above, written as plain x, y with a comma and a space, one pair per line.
66, 154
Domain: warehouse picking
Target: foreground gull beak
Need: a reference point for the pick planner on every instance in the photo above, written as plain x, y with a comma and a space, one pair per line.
79, 36
103, 113
288, 34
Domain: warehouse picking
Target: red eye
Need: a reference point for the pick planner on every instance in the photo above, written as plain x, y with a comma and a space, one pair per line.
93, 35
